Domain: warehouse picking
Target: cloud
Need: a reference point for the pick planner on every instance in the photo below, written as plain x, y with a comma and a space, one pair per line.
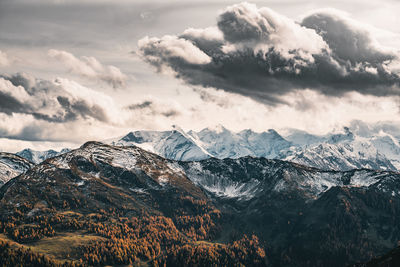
259, 53
151, 107
4, 61
90, 67
62, 110
53, 101
174, 49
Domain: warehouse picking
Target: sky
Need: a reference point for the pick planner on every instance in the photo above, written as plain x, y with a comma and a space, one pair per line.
74, 71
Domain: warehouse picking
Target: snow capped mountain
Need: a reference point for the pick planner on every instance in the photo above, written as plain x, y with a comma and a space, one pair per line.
388, 146
11, 166
39, 156
341, 156
175, 144
218, 142
222, 143
346, 149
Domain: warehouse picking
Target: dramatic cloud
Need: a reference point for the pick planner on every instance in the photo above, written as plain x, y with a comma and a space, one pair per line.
3, 59
90, 67
54, 101
259, 53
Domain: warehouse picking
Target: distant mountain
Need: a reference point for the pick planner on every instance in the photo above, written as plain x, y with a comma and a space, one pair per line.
175, 144
117, 205
218, 142
39, 156
340, 150
222, 143
12, 165
340, 156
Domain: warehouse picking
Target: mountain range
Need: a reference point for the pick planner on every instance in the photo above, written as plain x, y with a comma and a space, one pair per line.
113, 205
357, 147
340, 150
172, 197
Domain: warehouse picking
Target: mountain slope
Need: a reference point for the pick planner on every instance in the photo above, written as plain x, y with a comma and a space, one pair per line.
307, 216
11, 166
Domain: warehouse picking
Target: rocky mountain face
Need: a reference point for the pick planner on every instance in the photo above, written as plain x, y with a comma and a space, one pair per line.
122, 205
11, 166
308, 217
343, 150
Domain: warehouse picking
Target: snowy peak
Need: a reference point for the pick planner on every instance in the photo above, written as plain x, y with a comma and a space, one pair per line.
174, 144
39, 156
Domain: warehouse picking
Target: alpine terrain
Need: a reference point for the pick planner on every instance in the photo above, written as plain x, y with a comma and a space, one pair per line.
114, 205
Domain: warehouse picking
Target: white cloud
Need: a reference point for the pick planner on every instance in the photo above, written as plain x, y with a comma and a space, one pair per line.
56, 101
172, 48
90, 67
4, 61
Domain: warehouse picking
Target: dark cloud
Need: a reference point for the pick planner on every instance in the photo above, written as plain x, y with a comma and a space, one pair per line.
141, 105
259, 53
46, 100
21, 79
9, 104
149, 107
348, 42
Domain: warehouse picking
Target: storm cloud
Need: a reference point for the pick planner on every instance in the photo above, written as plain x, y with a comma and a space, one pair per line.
259, 53
56, 101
